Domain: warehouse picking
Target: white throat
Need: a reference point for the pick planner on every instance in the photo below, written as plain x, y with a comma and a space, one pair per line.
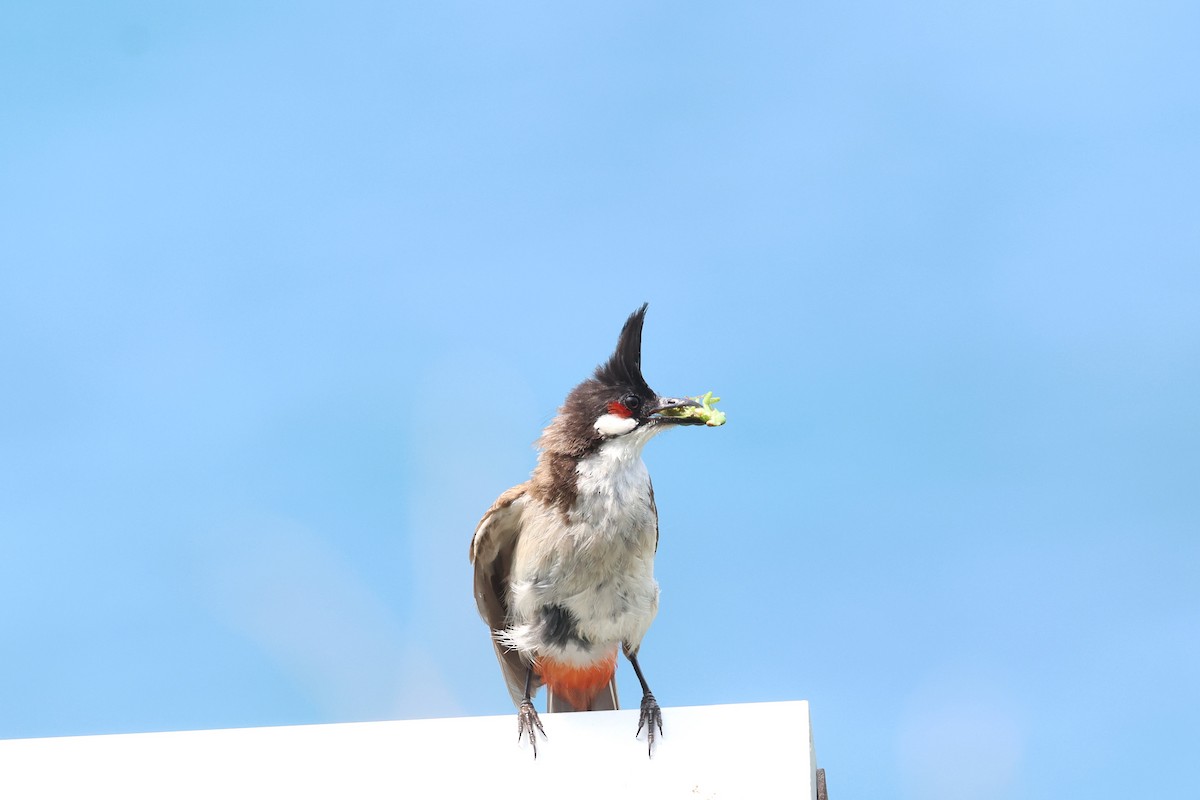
613, 482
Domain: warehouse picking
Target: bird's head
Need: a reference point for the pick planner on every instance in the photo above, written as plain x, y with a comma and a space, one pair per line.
615, 402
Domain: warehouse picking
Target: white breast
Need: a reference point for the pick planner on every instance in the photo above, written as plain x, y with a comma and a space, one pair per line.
614, 487
599, 564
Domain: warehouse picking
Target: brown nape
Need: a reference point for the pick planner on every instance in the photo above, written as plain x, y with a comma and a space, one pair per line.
553, 482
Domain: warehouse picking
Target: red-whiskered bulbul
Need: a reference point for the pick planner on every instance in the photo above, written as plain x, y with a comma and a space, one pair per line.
564, 563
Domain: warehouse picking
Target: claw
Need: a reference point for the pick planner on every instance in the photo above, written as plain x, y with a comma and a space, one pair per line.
527, 720
650, 718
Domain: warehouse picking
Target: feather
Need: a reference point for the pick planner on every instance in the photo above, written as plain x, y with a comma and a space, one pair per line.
491, 552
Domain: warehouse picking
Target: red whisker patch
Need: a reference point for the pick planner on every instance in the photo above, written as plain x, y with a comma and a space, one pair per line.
619, 410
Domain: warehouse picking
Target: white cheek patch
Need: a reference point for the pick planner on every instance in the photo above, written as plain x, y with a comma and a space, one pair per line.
612, 425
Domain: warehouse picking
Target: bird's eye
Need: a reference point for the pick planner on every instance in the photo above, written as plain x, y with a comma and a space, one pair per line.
632, 402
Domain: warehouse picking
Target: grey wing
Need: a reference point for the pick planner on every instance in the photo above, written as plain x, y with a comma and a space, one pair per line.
491, 553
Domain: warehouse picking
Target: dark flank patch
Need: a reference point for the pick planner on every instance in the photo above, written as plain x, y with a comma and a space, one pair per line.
559, 627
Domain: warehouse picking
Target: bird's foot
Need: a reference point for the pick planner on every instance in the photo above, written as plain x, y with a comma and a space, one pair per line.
650, 718
527, 720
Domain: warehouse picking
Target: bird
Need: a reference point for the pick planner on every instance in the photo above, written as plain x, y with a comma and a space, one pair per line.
564, 562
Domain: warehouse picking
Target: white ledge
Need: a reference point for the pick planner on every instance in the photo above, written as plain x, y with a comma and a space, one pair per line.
755, 750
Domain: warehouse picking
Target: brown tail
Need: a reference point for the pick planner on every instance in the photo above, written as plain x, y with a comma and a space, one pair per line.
605, 700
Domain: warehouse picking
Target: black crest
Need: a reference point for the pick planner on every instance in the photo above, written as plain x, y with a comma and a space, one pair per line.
624, 366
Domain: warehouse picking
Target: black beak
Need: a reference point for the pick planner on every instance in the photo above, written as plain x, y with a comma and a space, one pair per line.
660, 404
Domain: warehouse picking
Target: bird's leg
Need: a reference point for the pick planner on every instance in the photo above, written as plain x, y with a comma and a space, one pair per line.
527, 716
651, 716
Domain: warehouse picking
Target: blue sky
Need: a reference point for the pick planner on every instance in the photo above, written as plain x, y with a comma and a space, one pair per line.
288, 290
